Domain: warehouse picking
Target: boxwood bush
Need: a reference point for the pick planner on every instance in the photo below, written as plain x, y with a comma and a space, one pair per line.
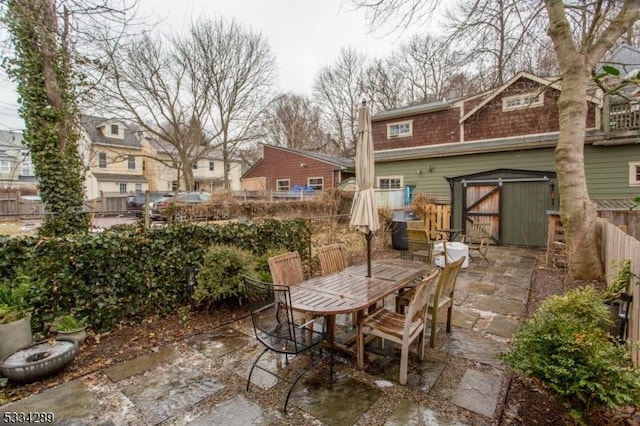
565, 345
131, 272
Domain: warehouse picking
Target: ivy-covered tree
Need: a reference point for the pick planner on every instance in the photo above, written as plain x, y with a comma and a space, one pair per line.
42, 69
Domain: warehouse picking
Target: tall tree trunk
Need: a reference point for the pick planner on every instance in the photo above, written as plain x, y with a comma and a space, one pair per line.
577, 211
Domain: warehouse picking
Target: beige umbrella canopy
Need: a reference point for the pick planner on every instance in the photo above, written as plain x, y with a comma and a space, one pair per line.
364, 211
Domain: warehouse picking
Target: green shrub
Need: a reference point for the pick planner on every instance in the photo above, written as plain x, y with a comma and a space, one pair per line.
566, 347
261, 267
128, 272
220, 276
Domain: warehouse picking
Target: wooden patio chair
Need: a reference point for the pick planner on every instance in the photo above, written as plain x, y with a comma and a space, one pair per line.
332, 258
286, 269
443, 296
479, 238
274, 327
400, 328
419, 245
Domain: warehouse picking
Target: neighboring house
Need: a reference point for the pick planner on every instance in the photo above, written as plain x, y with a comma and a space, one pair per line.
282, 169
113, 157
16, 170
494, 154
161, 168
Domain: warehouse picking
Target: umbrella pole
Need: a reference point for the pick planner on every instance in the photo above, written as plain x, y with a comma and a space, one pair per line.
369, 238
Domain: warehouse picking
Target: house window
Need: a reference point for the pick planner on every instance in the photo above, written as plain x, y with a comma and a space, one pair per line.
283, 185
132, 162
400, 129
532, 99
194, 166
4, 166
26, 168
123, 188
316, 183
634, 173
115, 129
138, 187
102, 160
390, 182
211, 166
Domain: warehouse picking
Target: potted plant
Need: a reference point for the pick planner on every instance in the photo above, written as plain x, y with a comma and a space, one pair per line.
15, 322
70, 327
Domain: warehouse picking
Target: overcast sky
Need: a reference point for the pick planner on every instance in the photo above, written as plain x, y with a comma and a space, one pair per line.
304, 35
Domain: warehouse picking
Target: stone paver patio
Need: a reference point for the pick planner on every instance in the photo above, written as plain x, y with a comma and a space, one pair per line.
201, 382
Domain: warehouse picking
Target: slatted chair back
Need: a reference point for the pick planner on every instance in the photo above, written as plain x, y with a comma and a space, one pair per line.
332, 258
286, 269
447, 281
479, 232
419, 247
419, 302
479, 238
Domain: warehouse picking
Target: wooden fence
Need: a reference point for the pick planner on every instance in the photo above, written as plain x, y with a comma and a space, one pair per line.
616, 247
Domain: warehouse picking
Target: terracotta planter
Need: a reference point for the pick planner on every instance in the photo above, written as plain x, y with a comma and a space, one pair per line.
15, 336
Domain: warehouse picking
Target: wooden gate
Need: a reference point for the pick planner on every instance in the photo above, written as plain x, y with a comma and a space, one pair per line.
482, 204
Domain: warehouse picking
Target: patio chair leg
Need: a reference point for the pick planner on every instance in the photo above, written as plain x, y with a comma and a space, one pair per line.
449, 313
432, 338
254, 366
302, 373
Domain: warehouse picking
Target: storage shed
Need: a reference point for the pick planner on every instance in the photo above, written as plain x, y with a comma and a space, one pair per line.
514, 201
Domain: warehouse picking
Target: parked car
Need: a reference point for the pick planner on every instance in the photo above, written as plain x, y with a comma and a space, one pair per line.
135, 203
159, 209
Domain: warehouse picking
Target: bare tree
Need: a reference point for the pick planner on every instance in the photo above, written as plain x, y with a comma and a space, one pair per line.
293, 121
582, 32
384, 85
339, 89
239, 67
196, 93
495, 34
427, 64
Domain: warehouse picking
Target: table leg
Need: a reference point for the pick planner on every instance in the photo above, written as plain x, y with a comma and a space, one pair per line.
331, 328
360, 339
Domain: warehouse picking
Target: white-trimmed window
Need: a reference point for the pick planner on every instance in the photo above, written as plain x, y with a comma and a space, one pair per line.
123, 188
390, 182
131, 162
316, 183
4, 166
400, 129
283, 185
211, 166
634, 173
526, 100
138, 187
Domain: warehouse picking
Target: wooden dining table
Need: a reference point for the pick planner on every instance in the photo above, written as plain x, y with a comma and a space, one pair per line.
350, 290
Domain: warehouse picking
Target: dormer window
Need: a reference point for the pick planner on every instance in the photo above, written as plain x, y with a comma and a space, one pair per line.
115, 129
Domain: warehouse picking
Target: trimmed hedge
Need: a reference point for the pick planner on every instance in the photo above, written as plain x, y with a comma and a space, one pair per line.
128, 272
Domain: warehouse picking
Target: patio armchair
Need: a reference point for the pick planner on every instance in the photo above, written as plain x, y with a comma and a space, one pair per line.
443, 296
332, 258
400, 328
286, 269
479, 238
276, 330
419, 245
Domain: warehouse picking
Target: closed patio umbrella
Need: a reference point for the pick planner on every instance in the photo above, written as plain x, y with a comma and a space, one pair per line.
364, 212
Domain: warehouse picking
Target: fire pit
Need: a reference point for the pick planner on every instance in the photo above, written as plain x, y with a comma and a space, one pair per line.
39, 361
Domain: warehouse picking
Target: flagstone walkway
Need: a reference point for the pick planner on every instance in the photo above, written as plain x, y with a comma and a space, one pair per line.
202, 381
